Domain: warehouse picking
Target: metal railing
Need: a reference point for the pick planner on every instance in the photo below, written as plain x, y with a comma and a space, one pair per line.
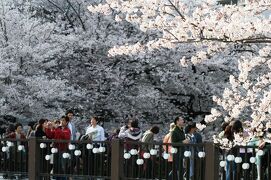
163, 161
245, 162
80, 159
14, 158
46, 159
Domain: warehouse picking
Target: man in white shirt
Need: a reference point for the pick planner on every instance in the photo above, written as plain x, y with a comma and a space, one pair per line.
94, 131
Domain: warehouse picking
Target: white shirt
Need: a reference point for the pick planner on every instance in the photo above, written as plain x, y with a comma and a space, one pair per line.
97, 133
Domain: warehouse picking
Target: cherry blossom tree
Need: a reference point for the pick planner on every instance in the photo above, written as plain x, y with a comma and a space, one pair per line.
239, 34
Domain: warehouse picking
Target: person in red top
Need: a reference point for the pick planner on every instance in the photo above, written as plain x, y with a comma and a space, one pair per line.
18, 134
17, 157
62, 133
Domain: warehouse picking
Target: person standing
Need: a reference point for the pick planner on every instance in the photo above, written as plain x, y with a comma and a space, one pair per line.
40, 129
95, 131
60, 133
17, 157
178, 136
148, 137
31, 129
71, 125
167, 139
18, 133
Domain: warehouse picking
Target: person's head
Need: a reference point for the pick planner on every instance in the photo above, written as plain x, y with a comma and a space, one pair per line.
65, 121
191, 128
154, 129
224, 125
42, 122
228, 132
116, 131
237, 127
18, 128
129, 123
31, 125
134, 124
57, 123
70, 114
94, 121
11, 128
179, 121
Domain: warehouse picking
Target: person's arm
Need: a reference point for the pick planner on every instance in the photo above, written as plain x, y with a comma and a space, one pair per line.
88, 130
66, 134
134, 137
147, 138
174, 138
166, 140
50, 133
102, 134
122, 133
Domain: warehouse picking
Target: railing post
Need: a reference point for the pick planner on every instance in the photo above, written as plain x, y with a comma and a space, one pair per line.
116, 160
212, 164
33, 159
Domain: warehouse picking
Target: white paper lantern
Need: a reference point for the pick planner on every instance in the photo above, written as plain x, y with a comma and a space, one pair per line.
245, 166
133, 152
10, 144
230, 157
95, 150
127, 155
77, 152
139, 161
252, 160
42, 145
238, 160
47, 157
165, 155
20, 147
153, 152
174, 150
101, 149
260, 153
65, 155
222, 163
187, 153
89, 146
201, 154
54, 150
71, 146
4, 149
146, 155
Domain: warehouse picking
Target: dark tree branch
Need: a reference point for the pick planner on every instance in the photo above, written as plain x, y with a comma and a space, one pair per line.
78, 15
177, 10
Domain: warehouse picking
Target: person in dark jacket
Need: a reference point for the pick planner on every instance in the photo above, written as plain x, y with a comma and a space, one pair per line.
40, 130
178, 136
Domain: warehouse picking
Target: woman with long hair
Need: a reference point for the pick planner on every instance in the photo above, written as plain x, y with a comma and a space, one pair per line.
40, 129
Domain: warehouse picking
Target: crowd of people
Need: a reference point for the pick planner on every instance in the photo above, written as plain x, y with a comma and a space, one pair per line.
65, 129
180, 131
245, 139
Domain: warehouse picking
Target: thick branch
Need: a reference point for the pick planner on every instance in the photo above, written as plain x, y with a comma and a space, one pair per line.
242, 41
